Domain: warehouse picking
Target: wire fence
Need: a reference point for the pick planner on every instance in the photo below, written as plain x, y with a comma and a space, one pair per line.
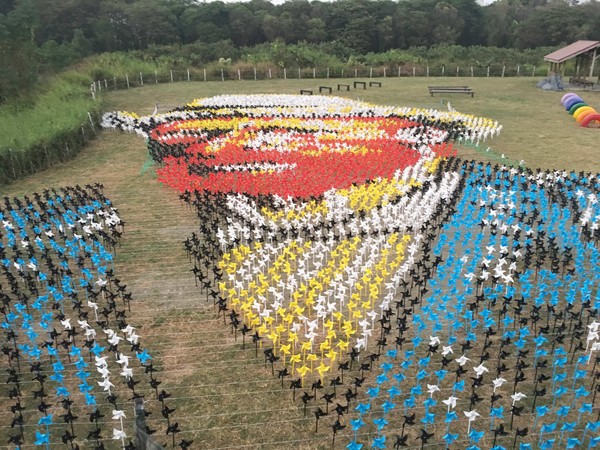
281, 73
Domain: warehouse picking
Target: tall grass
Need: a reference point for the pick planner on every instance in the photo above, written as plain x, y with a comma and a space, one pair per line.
46, 130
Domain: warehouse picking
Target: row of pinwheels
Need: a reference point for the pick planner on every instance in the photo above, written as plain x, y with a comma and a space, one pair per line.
67, 340
512, 307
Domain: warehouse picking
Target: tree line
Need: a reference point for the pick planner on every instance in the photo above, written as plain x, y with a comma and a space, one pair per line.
37, 36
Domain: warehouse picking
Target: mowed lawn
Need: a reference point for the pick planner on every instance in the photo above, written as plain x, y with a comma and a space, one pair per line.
226, 397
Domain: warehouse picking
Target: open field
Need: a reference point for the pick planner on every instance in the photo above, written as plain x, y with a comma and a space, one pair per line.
226, 397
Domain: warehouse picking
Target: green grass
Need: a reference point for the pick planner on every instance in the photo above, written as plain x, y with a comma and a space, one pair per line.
224, 395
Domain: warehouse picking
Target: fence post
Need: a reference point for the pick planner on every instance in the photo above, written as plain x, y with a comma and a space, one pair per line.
222, 75
92, 123
105, 84
127, 79
156, 76
533, 73
414, 71
384, 75
314, 73
188, 71
488, 71
255, 74
471, 71
443, 70
284, 73
239, 75
503, 70
371, 72
399, 71
457, 69
328, 73
355, 73
270, 74
426, 71
299, 73
204, 71
141, 79
342, 73
518, 69
171, 75
115, 82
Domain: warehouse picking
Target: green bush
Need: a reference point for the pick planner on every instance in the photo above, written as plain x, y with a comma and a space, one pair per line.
49, 130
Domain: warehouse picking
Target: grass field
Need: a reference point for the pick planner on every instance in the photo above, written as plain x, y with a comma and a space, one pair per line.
225, 396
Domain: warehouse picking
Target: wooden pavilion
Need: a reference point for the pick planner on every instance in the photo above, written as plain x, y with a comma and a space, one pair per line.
585, 53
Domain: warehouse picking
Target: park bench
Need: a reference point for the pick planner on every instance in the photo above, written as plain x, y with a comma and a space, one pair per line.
361, 83
342, 85
325, 88
306, 91
582, 82
451, 90
375, 83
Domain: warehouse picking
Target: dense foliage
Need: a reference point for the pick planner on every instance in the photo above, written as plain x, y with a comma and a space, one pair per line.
41, 35
51, 129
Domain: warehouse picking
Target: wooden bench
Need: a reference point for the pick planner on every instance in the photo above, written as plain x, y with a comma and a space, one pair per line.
451, 90
306, 91
362, 83
325, 88
578, 81
341, 85
375, 83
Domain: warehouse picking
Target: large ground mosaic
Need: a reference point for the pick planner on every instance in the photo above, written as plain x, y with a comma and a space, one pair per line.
407, 298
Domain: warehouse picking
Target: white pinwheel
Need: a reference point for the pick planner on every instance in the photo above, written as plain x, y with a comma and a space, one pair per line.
450, 402
480, 369
462, 360
518, 396
471, 416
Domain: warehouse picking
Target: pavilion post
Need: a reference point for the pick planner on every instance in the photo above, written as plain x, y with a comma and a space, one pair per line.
593, 62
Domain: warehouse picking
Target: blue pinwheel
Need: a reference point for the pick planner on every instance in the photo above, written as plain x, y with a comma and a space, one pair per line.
475, 435
380, 422
451, 416
496, 413
354, 446
378, 442
42, 439
357, 424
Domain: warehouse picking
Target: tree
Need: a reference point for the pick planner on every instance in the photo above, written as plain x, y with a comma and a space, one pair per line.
206, 22
447, 25
316, 30
243, 25
151, 22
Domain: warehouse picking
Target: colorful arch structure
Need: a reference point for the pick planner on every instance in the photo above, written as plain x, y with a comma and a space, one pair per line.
584, 114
